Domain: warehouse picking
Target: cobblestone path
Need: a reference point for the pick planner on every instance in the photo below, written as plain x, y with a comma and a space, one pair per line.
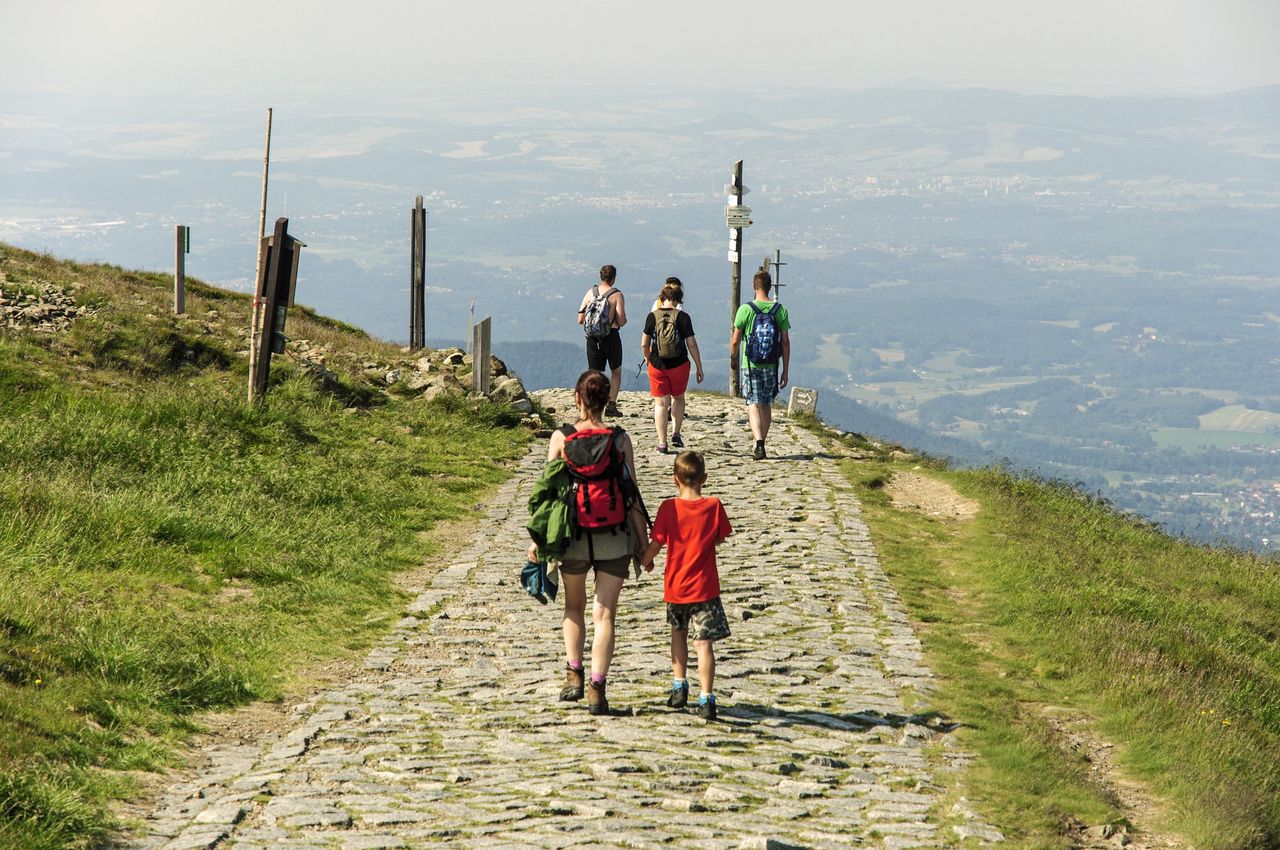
456, 738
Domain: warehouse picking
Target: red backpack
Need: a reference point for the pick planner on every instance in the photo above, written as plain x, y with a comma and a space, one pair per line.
600, 495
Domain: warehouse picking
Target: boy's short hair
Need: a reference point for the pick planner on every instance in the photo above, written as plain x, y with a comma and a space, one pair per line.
608, 274
691, 469
762, 282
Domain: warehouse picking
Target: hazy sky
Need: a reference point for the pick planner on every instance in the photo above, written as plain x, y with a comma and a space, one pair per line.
1088, 46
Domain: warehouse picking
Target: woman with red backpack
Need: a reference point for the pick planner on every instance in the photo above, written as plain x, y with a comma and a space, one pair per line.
606, 537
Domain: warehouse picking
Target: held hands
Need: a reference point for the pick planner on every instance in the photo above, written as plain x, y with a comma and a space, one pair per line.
533, 552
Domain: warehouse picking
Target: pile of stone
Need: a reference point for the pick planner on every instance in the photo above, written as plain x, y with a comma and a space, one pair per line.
47, 309
426, 375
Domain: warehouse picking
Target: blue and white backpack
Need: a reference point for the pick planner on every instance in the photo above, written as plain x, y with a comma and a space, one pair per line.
764, 345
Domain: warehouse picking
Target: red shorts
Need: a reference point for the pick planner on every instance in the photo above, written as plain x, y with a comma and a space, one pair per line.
665, 382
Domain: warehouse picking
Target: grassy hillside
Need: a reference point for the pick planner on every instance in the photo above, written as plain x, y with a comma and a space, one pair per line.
1069, 636
166, 549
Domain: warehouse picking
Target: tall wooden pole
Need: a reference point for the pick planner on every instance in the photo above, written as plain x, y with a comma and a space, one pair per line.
417, 278
179, 270
255, 320
735, 257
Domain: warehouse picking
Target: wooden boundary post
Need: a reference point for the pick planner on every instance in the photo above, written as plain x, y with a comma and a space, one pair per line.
480, 357
735, 257
181, 245
417, 277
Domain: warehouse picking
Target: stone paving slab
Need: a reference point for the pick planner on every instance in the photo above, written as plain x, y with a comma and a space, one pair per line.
457, 738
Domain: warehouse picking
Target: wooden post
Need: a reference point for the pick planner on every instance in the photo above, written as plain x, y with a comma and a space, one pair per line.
480, 357
180, 270
735, 257
273, 293
417, 277
255, 318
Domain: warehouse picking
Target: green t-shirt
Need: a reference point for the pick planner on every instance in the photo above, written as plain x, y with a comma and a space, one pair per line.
746, 320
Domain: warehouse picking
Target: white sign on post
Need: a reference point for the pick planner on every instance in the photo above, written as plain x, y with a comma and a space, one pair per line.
737, 216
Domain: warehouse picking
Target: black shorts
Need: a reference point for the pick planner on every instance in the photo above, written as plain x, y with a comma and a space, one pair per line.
605, 349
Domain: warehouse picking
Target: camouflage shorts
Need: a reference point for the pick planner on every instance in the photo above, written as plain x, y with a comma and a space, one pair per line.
702, 620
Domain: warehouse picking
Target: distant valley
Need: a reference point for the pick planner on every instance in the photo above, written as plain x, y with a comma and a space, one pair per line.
1083, 287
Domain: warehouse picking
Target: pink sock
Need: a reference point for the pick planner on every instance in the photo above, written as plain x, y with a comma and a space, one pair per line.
597, 678
576, 665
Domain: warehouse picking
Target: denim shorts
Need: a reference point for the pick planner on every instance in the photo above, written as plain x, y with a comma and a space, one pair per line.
760, 386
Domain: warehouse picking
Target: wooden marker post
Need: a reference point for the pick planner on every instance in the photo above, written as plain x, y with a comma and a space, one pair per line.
417, 277
735, 216
480, 357
181, 246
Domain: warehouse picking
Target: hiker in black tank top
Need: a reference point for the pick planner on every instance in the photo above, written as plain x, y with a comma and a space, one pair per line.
669, 344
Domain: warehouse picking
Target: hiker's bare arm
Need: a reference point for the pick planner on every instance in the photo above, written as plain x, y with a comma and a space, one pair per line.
582, 308
645, 343
621, 312
695, 355
733, 343
650, 552
786, 358
555, 448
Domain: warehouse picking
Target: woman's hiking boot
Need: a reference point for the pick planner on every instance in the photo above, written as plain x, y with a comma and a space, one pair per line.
678, 696
596, 701
707, 708
611, 409
572, 684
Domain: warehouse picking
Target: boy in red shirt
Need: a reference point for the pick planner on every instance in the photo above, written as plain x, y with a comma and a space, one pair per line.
691, 526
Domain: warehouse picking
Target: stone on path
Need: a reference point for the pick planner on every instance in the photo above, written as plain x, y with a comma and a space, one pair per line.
454, 736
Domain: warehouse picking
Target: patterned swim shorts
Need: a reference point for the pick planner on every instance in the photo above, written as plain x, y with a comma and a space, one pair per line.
760, 386
702, 620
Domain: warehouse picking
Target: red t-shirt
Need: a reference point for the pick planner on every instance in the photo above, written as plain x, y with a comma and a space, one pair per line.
690, 529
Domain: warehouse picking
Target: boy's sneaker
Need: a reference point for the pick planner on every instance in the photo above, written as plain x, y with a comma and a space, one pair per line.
707, 709
572, 684
596, 701
676, 441
758, 454
679, 695
611, 409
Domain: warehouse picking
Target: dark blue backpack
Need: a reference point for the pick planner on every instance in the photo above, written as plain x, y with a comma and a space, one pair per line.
765, 343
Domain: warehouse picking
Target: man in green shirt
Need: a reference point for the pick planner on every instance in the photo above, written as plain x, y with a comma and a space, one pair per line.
765, 326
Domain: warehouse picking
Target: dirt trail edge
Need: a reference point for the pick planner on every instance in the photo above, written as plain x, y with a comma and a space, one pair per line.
457, 738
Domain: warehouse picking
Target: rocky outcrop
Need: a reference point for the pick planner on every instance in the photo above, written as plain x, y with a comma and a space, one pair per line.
44, 309
426, 375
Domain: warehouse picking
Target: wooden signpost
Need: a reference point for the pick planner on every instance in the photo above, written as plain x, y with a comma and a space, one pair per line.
275, 291
737, 217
